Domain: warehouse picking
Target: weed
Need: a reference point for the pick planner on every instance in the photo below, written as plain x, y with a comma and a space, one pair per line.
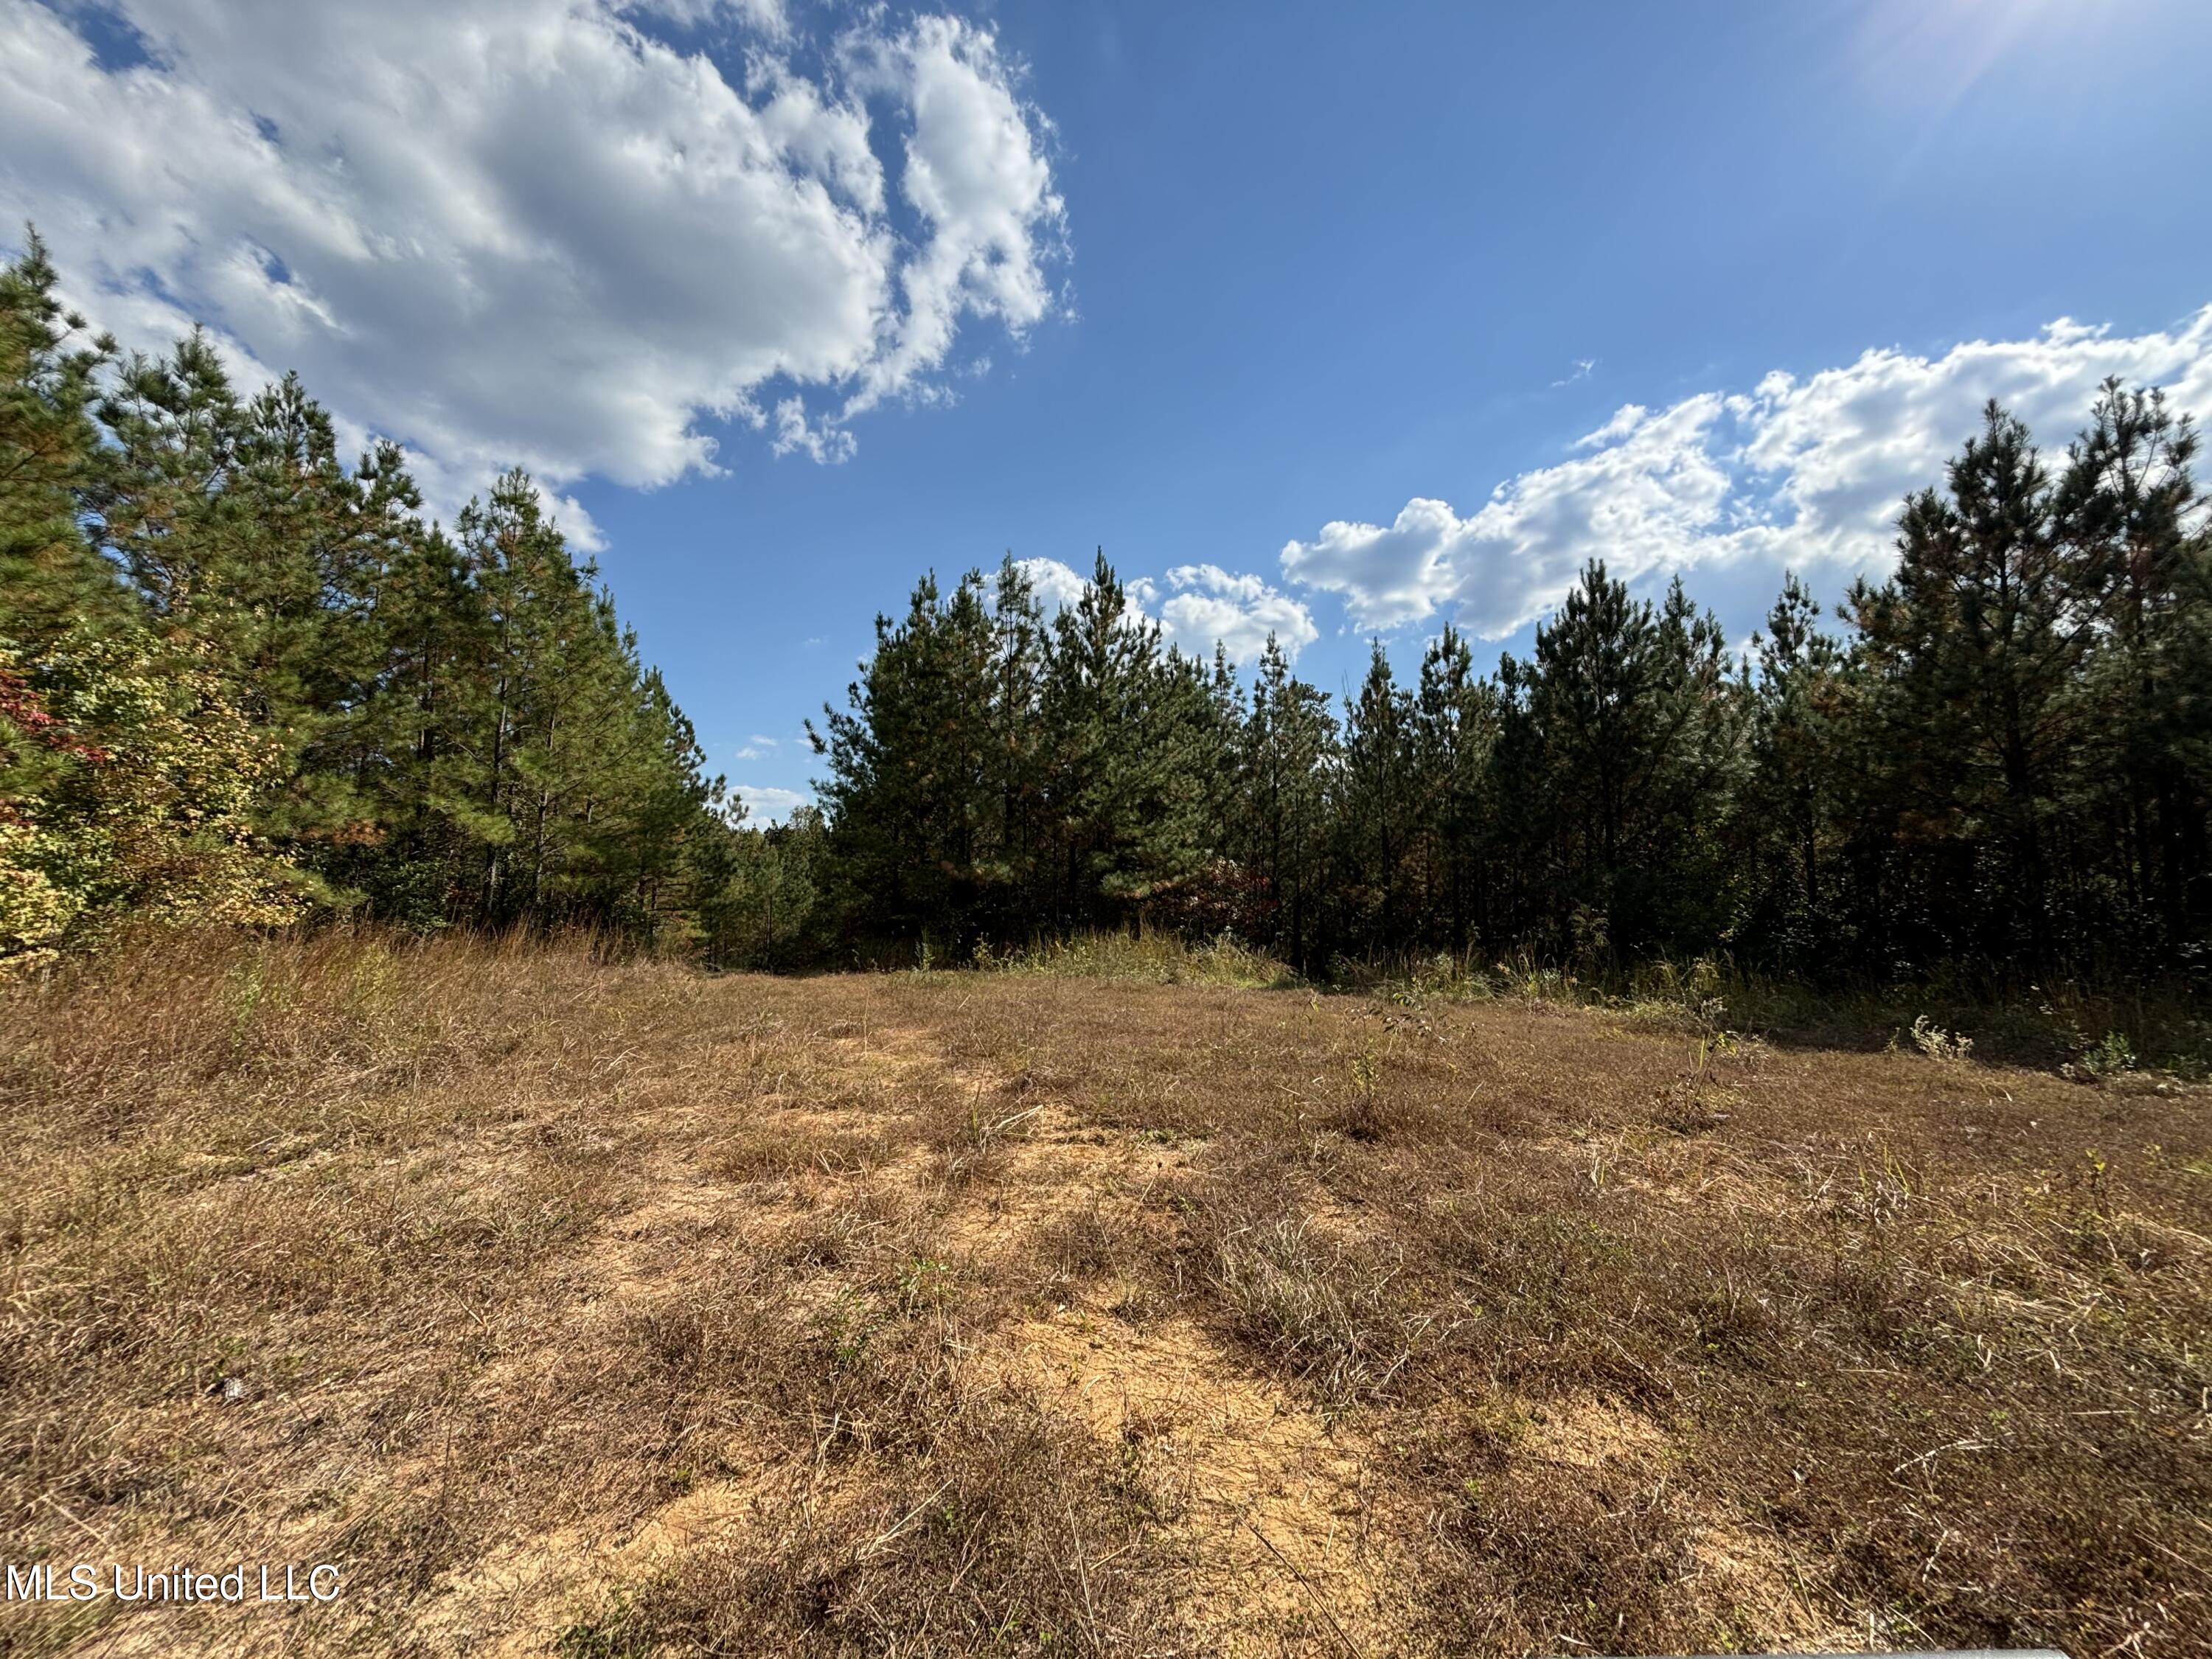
1938, 1044
2109, 1057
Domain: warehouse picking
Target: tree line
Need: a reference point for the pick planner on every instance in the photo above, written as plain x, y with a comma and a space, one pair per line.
2003, 760
243, 681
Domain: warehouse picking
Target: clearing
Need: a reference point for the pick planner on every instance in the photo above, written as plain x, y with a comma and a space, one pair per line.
602, 1309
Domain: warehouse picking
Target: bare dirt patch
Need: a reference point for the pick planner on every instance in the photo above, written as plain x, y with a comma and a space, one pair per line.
1267, 1511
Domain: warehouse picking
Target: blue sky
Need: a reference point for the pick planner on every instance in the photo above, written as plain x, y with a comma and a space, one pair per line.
1340, 321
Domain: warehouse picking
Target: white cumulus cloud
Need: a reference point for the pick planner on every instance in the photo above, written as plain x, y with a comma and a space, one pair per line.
1208, 605
1056, 586
767, 805
1806, 474
535, 232
1196, 605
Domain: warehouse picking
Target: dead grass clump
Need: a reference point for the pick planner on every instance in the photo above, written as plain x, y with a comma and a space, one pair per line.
1543, 1282
862, 1228
919, 1513
1325, 1313
1545, 1256
828, 1239
1117, 1254
1003, 1530
1544, 1565
971, 1146
772, 1152
1087, 1242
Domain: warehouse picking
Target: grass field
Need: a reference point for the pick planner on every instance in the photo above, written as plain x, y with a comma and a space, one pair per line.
604, 1309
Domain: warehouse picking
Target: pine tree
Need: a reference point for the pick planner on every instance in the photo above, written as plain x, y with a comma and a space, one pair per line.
913, 783
762, 893
1127, 724
1794, 788
1377, 807
423, 771
1290, 746
51, 580
1455, 727
2125, 512
1014, 864
1972, 646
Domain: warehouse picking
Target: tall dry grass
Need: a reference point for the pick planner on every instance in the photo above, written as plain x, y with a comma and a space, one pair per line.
600, 1308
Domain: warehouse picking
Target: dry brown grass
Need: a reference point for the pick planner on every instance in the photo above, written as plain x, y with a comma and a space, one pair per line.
608, 1309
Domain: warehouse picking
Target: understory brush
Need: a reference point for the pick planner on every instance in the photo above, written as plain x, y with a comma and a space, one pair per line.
2088, 1032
